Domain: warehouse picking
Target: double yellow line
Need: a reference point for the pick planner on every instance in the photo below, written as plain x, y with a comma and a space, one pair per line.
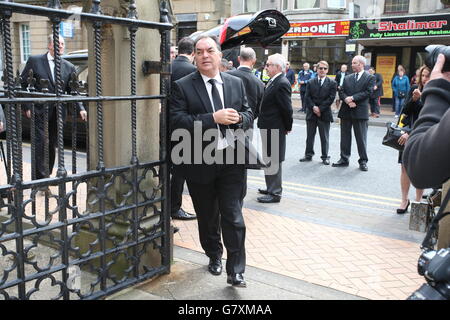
330, 193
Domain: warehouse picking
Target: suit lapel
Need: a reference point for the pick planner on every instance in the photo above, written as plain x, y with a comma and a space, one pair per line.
47, 69
227, 88
200, 87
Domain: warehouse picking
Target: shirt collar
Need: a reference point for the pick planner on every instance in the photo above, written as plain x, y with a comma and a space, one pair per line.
49, 57
275, 76
218, 78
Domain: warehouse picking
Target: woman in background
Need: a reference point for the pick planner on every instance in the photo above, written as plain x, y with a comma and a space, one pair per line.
411, 109
400, 88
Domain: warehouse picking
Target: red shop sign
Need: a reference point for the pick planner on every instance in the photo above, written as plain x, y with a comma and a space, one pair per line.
319, 29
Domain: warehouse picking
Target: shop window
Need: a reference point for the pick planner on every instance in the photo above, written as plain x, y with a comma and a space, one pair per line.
306, 4
396, 6
252, 5
25, 42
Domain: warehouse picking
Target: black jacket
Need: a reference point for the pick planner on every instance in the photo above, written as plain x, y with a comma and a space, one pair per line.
379, 92
181, 67
321, 96
339, 74
411, 108
276, 107
361, 91
189, 103
254, 88
41, 70
427, 152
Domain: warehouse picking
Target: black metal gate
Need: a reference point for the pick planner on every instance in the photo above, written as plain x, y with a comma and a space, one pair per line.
87, 234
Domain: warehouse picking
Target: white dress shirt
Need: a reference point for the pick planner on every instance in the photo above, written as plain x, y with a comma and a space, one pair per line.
51, 64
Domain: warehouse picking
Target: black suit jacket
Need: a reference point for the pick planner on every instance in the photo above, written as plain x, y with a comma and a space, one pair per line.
427, 151
361, 91
181, 67
41, 70
190, 102
379, 83
276, 107
254, 88
321, 96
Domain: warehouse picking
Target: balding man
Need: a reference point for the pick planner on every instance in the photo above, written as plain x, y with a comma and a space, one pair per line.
355, 94
254, 87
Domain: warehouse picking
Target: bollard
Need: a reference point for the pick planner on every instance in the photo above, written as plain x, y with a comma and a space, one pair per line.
418, 219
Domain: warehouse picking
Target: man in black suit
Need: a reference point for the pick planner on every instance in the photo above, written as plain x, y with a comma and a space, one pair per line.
320, 94
276, 118
377, 93
254, 87
213, 102
355, 94
181, 66
43, 67
340, 76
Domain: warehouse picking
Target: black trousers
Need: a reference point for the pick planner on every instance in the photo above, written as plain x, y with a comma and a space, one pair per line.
324, 133
374, 105
40, 142
218, 205
360, 130
176, 192
302, 97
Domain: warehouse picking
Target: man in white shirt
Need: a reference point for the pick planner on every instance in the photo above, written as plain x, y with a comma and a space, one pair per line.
214, 101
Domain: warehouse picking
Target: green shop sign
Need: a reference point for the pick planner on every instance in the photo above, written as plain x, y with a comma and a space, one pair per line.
400, 27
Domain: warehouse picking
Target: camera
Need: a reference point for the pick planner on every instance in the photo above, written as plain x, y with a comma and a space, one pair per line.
433, 52
435, 267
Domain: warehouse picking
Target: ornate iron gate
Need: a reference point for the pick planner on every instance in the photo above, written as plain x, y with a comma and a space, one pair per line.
102, 224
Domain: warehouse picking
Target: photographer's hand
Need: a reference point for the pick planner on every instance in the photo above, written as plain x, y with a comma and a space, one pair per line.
437, 70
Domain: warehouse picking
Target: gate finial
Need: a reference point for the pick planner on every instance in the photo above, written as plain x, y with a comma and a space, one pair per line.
96, 7
55, 4
132, 13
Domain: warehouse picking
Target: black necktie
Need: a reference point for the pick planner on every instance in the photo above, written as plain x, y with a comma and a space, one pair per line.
217, 102
356, 76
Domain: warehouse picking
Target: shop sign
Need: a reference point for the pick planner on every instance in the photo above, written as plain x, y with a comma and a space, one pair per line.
402, 27
318, 29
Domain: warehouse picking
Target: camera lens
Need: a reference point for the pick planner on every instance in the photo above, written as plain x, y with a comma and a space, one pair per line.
433, 52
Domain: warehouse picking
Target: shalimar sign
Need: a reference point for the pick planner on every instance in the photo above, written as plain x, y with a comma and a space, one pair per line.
401, 27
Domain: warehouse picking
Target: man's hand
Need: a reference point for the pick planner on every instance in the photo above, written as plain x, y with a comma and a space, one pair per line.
375, 88
402, 140
437, 70
1, 126
348, 100
83, 115
316, 110
416, 94
226, 116
352, 105
28, 114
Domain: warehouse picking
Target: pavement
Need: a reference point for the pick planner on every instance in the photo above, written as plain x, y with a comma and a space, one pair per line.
291, 255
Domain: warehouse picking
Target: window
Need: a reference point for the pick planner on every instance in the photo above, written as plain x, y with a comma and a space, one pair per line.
25, 42
337, 4
285, 4
306, 4
396, 6
252, 5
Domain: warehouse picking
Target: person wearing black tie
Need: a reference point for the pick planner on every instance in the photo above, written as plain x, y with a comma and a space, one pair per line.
275, 117
43, 67
214, 102
320, 94
354, 113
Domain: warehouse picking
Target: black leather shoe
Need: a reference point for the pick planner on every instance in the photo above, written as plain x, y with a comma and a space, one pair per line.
263, 191
215, 266
363, 167
305, 159
236, 280
183, 215
340, 163
326, 162
269, 199
175, 229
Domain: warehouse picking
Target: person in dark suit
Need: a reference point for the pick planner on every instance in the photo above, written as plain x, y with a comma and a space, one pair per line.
275, 118
377, 93
290, 74
354, 113
210, 101
320, 94
43, 67
181, 66
340, 76
254, 87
